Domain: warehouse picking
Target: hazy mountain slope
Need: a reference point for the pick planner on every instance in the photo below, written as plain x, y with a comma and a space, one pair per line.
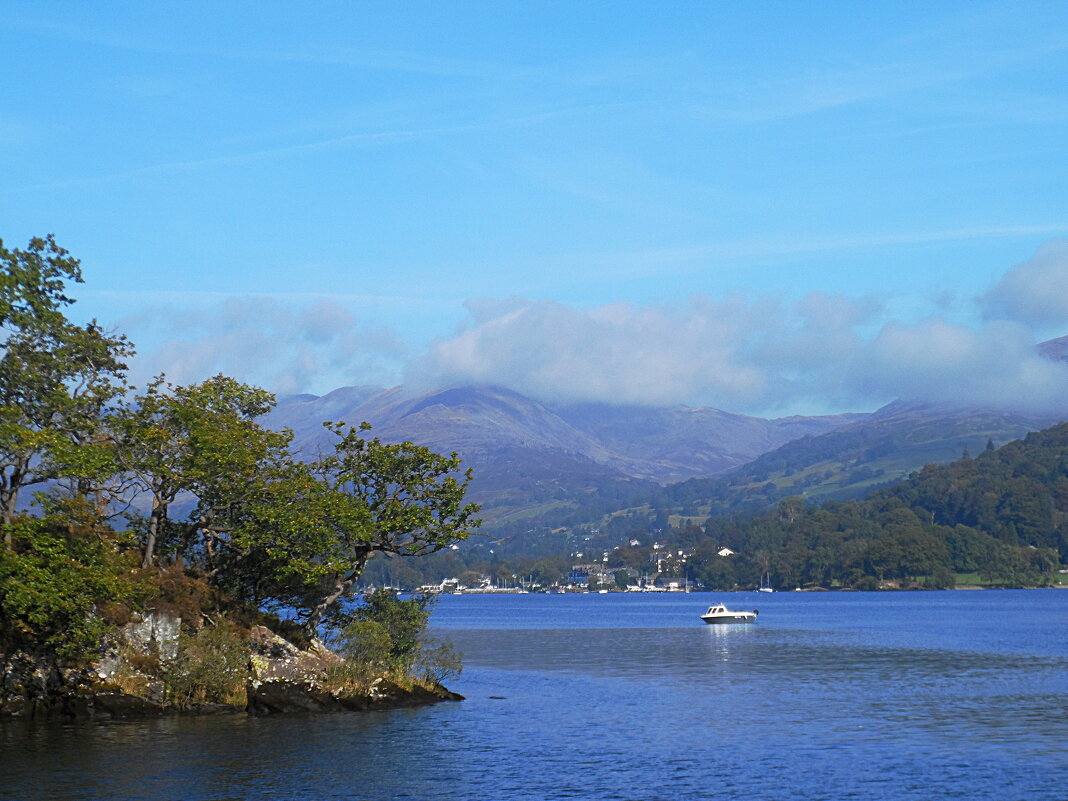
527, 461
1056, 349
679, 442
530, 460
305, 414
661, 444
848, 462
870, 452
469, 420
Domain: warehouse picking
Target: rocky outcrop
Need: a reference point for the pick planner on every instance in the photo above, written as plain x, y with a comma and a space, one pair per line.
34, 685
274, 659
286, 679
125, 682
131, 662
286, 697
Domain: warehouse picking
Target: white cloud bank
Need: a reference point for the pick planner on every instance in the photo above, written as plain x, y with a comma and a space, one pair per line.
822, 353
767, 356
1036, 291
261, 341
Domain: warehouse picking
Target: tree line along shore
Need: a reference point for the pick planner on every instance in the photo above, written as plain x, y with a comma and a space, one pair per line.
996, 520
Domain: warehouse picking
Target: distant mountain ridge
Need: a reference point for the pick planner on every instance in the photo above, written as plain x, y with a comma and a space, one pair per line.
1055, 349
530, 456
850, 461
563, 464
670, 444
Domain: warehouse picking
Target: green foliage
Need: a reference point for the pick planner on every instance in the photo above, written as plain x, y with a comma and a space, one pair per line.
33, 281
413, 494
60, 579
200, 439
367, 648
410, 503
211, 667
404, 621
388, 636
289, 541
58, 381
438, 661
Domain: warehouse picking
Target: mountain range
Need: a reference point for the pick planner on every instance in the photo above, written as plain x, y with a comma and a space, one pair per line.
560, 464
882, 448
530, 458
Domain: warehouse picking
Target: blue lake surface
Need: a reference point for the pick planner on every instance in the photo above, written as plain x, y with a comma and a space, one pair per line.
923, 695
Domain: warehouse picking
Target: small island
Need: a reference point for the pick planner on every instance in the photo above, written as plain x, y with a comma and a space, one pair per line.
164, 552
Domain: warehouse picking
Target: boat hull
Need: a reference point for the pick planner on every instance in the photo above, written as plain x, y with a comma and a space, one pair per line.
720, 619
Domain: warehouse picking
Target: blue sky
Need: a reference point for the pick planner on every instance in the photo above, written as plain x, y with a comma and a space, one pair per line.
763, 207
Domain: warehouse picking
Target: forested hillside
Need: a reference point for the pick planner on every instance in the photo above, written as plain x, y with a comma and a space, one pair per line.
1002, 516
855, 460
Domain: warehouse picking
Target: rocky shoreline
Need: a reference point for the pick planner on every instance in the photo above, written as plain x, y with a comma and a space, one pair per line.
281, 679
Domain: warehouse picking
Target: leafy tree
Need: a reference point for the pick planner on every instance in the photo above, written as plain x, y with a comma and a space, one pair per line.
366, 646
633, 557
438, 661
401, 623
202, 440
413, 496
33, 282
57, 379
547, 570
470, 578
288, 543
389, 635
61, 575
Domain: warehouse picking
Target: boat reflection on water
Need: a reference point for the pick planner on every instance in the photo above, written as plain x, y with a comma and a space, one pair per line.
727, 643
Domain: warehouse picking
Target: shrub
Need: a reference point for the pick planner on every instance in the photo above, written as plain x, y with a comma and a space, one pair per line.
58, 580
438, 661
211, 667
387, 636
404, 622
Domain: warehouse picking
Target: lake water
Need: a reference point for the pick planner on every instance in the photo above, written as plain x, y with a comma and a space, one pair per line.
829, 696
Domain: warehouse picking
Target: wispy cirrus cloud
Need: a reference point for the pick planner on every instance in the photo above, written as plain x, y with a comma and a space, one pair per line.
353, 140
661, 262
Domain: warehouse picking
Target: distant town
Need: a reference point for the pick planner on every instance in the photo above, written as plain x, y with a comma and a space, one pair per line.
665, 572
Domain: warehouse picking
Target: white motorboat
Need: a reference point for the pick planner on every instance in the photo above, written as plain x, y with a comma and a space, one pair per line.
718, 613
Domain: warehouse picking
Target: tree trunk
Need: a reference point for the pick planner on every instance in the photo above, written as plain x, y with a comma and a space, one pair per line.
8, 497
340, 589
9, 501
159, 512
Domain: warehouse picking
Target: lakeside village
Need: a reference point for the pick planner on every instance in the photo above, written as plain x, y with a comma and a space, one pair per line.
665, 572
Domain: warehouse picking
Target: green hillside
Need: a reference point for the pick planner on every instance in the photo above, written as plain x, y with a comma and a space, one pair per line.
855, 460
1002, 515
